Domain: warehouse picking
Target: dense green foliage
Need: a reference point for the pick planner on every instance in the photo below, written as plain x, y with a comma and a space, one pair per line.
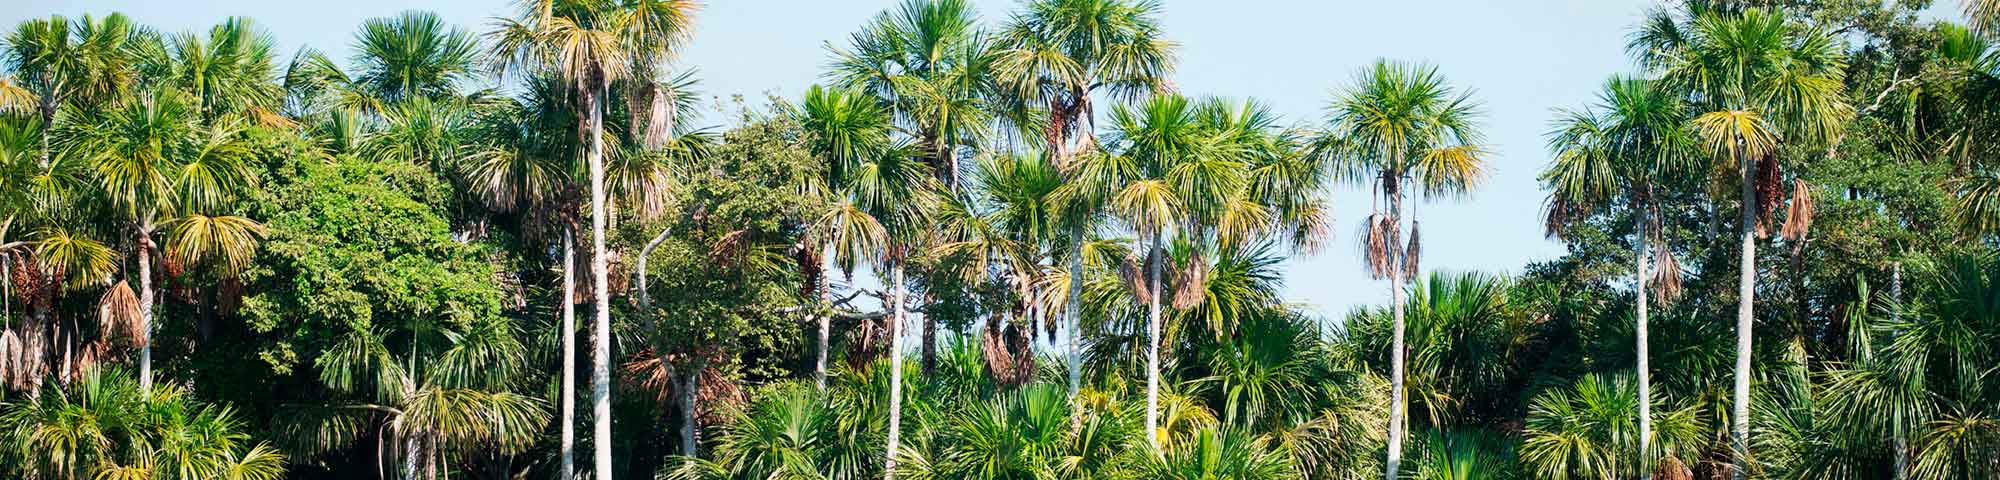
983, 251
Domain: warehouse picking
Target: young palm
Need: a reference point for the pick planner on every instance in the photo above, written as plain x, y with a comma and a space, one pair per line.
1760, 81
1614, 155
1054, 57
589, 44
1401, 127
414, 54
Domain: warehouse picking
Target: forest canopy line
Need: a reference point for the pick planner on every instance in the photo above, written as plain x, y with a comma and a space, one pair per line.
986, 245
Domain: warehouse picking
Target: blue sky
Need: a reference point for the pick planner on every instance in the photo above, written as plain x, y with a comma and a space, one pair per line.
1521, 58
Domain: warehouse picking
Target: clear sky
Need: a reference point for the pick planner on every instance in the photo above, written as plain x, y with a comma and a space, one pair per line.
1521, 58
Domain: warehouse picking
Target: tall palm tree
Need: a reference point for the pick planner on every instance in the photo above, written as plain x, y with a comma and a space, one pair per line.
927, 63
1401, 127
896, 189
157, 164
1173, 166
1760, 80
1615, 154
846, 129
590, 44
1054, 57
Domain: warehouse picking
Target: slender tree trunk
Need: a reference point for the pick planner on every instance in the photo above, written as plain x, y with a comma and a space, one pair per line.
1393, 466
1746, 291
1902, 429
895, 370
930, 345
690, 429
1639, 327
146, 306
825, 318
1074, 314
1153, 342
569, 353
600, 370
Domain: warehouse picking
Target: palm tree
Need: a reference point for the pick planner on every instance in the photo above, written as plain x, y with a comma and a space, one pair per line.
846, 128
105, 426
229, 72
589, 44
156, 164
1402, 126
898, 191
1761, 80
1615, 154
1216, 454
1054, 57
459, 406
414, 54
926, 63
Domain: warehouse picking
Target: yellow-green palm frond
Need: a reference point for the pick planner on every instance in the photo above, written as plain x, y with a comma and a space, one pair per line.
80, 261
852, 234
1736, 135
227, 241
1150, 205
260, 462
14, 97
1452, 171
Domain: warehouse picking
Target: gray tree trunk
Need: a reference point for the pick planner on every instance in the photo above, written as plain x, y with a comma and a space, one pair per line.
1153, 342
569, 354
600, 370
825, 318
1394, 464
1645, 372
1746, 291
895, 370
1902, 429
1074, 325
146, 306
690, 389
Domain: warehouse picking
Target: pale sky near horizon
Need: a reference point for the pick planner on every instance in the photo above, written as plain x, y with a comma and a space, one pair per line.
1521, 58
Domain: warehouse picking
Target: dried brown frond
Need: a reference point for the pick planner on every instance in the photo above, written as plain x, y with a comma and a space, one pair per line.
1666, 277
1798, 218
1770, 185
868, 341
1191, 282
1413, 253
1134, 274
1375, 233
1671, 468
648, 372
119, 316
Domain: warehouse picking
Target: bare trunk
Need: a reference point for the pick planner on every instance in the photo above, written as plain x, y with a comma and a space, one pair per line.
690, 389
1902, 433
600, 369
1074, 315
895, 370
1645, 372
146, 306
569, 353
930, 345
1397, 412
825, 318
1746, 291
1153, 342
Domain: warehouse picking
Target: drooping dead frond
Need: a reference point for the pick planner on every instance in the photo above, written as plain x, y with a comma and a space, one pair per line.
1770, 182
1134, 273
1375, 233
1798, 218
1666, 277
1413, 253
1191, 282
1556, 217
119, 317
